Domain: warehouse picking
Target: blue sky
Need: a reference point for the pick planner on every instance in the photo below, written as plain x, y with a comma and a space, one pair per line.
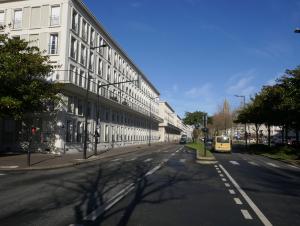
199, 52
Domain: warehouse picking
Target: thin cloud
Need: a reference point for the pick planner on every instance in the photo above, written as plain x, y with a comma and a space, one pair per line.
202, 91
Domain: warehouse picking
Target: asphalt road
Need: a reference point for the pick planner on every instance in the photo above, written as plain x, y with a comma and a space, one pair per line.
162, 187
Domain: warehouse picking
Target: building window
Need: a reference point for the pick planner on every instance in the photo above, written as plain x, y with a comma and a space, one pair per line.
55, 15
81, 79
91, 62
84, 32
34, 40
108, 74
18, 14
74, 47
75, 21
100, 67
106, 134
80, 107
2, 19
83, 55
72, 74
53, 45
109, 54
92, 41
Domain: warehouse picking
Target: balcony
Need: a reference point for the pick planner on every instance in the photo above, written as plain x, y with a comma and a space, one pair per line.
76, 84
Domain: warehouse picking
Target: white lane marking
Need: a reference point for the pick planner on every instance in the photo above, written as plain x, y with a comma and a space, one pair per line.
295, 167
219, 171
8, 167
272, 164
165, 160
253, 163
221, 175
231, 191
2, 174
173, 154
224, 179
257, 211
115, 160
216, 166
182, 160
234, 162
148, 160
227, 184
116, 198
132, 159
238, 201
246, 214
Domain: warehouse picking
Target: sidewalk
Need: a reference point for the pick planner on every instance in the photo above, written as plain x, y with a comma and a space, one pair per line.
50, 161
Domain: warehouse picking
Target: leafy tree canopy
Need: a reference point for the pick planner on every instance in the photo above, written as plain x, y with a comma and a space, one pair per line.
23, 72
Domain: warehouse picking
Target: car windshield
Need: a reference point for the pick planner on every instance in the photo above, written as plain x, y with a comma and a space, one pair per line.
223, 139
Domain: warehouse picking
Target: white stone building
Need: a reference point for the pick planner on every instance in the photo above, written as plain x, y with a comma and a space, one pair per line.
171, 128
68, 31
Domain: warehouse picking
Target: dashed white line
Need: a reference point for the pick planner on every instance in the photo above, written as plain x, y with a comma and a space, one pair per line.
272, 164
173, 154
2, 174
246, 214
231, 191
224, 179
8, 167
221, 175
115, 160
182, 160
219, 171
148, 160
257, 211
227, 184
295, 167
237, 201
253, 163
234, 162
116, 198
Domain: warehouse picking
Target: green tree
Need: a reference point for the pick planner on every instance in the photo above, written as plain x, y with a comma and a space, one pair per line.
23, 72
194, 118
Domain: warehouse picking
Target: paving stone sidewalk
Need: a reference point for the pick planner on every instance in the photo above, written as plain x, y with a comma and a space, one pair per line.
52, 161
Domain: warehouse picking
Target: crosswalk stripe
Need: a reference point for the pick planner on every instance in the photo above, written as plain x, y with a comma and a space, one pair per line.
238, 201
182, 160
148, 160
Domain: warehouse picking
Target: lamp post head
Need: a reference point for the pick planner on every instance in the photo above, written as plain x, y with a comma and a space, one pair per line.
297, 30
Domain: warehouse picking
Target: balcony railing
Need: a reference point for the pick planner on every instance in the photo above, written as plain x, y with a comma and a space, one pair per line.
53, 49
54, 20
17, 24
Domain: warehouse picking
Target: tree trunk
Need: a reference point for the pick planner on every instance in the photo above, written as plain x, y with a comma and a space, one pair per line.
282, 134
286, 134
269, 136
256, 132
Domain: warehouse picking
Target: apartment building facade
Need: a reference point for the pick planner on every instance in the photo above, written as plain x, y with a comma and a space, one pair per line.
171, 128
122, 105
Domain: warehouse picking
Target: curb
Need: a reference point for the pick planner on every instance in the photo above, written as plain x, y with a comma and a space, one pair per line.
281, 160
202, 159
70, 164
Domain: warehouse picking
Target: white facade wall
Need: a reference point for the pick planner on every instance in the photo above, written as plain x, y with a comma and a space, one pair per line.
67, 31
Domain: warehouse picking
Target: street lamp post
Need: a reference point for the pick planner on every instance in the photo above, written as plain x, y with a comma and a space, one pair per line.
98, 110
244, 105
86, 101
150, 116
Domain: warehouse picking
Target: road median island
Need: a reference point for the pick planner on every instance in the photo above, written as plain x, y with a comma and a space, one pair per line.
200, 153
282, 153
